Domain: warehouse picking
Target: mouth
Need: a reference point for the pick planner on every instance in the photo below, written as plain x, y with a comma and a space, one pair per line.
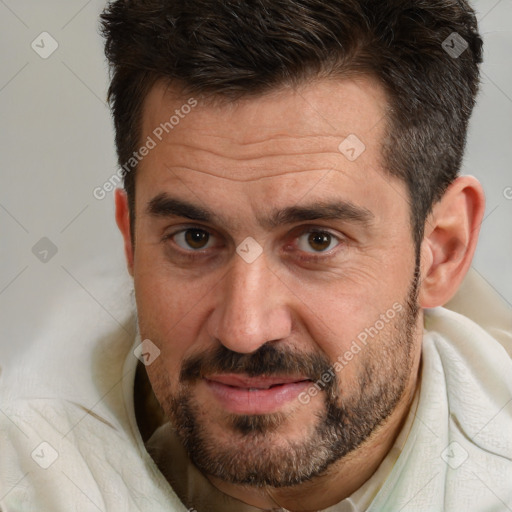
240, 394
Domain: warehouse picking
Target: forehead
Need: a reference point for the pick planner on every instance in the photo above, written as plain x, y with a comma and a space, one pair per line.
311, 121
247, 159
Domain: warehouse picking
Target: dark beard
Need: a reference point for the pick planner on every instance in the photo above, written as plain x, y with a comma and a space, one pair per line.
253, 458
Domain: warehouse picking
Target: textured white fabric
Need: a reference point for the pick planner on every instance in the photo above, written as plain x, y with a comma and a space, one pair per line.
74, 391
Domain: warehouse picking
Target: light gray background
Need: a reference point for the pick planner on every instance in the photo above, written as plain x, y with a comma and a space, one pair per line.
57, 145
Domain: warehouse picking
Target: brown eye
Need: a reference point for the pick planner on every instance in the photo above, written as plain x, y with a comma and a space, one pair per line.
317, 241
195, 239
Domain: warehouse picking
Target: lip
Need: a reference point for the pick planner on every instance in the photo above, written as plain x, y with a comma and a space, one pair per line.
241, 394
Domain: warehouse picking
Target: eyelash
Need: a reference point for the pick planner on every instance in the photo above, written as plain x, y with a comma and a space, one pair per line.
321, 256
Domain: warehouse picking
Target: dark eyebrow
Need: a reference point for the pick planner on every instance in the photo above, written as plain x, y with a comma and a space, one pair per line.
164, 205
323, 210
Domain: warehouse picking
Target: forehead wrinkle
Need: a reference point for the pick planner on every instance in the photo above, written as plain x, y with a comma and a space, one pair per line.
329, 148
327, 140
248, 180
324, 161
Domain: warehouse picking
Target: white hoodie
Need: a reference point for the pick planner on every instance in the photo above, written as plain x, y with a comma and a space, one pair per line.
69, 439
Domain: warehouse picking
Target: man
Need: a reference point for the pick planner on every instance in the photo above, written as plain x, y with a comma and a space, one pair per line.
293, 220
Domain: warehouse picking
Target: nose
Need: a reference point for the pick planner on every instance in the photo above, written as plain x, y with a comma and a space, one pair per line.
250, 308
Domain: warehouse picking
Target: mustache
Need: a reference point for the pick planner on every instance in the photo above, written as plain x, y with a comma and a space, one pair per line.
268, 360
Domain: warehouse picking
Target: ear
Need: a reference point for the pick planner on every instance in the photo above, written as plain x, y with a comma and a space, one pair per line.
123, 223
449, 243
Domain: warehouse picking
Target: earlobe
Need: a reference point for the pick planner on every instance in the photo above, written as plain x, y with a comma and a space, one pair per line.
451, 235
123, 223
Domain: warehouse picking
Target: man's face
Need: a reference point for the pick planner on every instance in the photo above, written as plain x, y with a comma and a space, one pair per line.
267, 259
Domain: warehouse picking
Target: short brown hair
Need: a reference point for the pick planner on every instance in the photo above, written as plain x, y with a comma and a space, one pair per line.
232, 48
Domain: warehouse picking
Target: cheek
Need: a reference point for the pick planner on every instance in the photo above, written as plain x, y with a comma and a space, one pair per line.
354, 330
164, 299
170, 316
335, 314
159, 378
